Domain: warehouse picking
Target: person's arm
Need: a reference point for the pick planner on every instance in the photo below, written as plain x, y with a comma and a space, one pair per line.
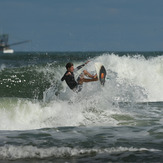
64, 76
79, 67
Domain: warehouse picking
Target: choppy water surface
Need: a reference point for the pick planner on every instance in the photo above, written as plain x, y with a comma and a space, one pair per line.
42, 120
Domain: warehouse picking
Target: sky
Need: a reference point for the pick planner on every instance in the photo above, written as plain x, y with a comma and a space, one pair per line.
83, 25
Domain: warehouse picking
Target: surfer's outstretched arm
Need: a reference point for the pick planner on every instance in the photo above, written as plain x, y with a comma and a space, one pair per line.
79, 67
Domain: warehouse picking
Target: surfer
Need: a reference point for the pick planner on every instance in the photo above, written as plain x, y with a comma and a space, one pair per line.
76, 86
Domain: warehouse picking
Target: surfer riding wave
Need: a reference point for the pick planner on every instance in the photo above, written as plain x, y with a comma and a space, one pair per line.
76, 85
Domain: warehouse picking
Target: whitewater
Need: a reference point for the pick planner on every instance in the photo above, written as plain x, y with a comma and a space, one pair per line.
42, 120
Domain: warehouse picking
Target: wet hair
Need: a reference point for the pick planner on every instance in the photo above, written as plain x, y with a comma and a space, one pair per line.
68, 65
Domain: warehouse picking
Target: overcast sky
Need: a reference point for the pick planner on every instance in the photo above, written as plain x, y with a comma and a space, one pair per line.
84, 25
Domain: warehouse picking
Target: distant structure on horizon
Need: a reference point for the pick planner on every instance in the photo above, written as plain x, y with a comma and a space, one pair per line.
5, 47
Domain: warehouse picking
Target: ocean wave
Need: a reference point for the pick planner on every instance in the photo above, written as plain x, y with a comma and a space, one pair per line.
33, 96
10, 152
128, 77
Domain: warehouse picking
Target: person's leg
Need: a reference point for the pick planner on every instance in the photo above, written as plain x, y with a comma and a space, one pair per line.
81, 80
90, 80
86, 73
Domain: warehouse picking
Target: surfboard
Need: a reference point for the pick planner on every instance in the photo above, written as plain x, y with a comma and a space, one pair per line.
101, 72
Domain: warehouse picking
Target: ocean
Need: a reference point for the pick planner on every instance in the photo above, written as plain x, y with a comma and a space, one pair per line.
42, 120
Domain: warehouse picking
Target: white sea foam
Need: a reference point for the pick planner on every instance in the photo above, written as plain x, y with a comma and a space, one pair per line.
23, 115
138, 71
11, 152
